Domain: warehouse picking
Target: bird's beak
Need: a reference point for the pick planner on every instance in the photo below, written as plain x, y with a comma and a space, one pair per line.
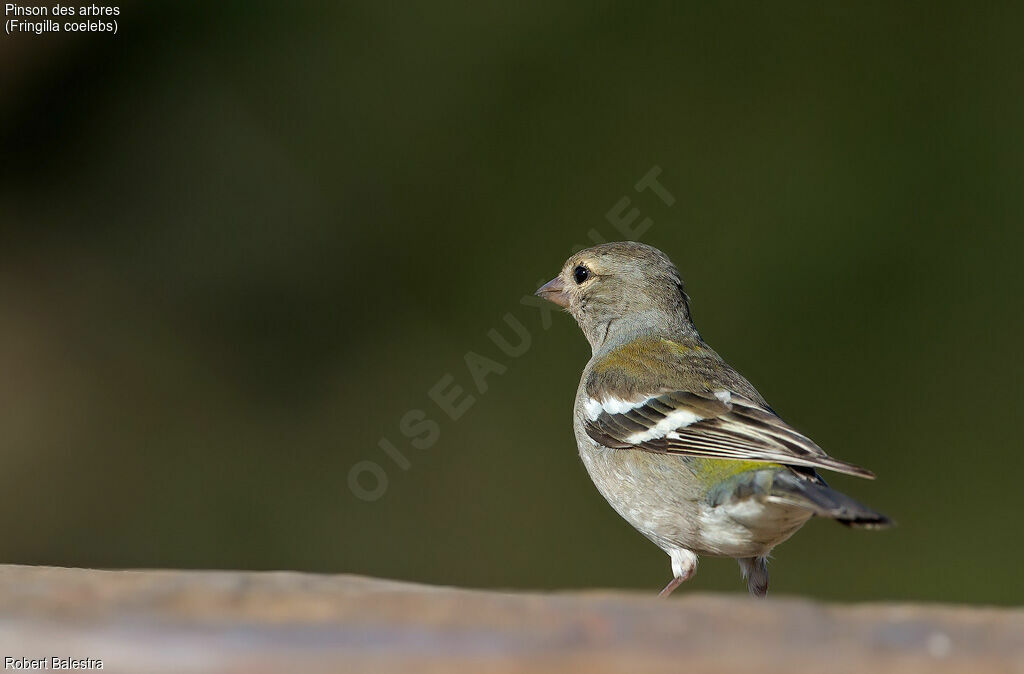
554, 291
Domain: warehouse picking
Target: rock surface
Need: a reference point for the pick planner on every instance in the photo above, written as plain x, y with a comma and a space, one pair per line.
253, 622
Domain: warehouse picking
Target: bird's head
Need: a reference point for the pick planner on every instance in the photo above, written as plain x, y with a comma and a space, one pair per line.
620, 288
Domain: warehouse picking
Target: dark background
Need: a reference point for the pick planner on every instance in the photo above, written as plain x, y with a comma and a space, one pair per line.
241, 240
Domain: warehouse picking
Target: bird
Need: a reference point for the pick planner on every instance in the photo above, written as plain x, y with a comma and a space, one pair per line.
678, 442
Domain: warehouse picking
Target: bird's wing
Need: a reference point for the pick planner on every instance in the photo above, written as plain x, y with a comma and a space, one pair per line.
719, 425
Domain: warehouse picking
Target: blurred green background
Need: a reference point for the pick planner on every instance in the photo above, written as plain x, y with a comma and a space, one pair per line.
241, 240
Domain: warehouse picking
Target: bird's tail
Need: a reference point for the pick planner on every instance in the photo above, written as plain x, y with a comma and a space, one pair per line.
824, 501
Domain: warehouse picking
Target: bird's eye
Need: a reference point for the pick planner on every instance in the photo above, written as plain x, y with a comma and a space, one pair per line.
581, 274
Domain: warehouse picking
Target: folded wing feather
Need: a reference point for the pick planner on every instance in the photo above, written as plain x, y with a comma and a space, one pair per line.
720, 425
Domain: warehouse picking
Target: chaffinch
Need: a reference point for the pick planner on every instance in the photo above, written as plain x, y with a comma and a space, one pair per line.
678, 442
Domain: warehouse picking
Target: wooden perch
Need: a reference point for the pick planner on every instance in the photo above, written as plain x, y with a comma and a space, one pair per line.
253, 622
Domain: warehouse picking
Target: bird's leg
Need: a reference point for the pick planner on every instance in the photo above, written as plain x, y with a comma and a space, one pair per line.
672, 585
684, 564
